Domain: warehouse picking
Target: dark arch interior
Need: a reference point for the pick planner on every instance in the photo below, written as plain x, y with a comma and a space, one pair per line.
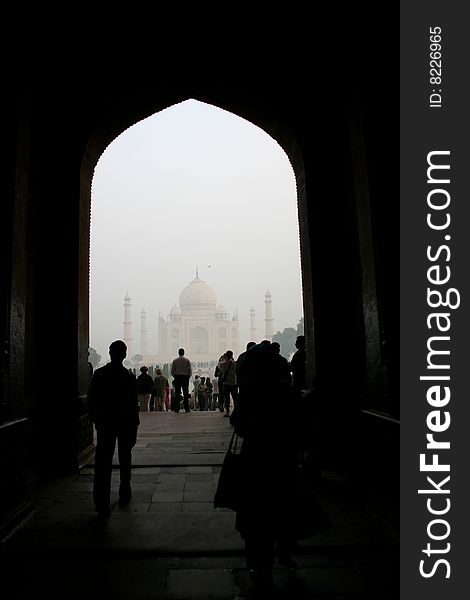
341, 143
280, 133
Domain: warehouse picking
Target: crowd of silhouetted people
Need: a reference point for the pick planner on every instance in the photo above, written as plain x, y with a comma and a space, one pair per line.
217, 392
252, 391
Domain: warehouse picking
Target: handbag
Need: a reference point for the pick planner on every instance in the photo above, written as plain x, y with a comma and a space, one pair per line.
229, 489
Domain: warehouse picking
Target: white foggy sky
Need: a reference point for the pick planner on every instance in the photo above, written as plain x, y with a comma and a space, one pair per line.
192, 185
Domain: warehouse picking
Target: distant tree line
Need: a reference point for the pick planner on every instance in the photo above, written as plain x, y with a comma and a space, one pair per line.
287, 338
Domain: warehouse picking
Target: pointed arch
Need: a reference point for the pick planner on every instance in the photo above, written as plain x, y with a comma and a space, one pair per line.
139, 108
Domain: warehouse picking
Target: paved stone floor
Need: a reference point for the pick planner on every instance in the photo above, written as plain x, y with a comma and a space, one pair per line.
170, 543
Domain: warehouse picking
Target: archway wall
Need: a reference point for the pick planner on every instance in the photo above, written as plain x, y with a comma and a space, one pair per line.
40, 400
340, 233
327, 152
48, 293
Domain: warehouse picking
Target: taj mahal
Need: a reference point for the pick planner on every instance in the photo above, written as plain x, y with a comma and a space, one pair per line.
200, 325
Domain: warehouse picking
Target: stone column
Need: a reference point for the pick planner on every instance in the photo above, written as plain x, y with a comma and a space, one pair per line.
252, 325
143, 334
268, 318
128, 336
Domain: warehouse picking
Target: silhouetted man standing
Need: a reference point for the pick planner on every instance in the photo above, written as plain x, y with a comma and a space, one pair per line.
114, 409
181, 372
230, 388
284, 367
144, 388
297, 364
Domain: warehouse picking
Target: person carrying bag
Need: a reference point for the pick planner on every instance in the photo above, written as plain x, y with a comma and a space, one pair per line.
230, 486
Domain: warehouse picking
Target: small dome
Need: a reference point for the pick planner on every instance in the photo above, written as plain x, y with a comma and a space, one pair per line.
221, 310
175, 310
197, 294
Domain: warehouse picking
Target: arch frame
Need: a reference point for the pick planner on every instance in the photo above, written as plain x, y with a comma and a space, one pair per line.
139, 108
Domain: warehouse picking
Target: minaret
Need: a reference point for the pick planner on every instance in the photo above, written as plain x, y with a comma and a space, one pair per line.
235, 332
143, 333
268, 317
252, 325
161, 335
128, 337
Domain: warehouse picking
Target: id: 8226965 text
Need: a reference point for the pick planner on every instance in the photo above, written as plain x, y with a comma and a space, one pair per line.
435, 67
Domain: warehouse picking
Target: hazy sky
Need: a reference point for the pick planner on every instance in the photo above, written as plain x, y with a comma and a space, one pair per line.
192, 186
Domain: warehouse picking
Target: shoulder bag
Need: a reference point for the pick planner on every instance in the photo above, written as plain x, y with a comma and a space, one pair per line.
230, 485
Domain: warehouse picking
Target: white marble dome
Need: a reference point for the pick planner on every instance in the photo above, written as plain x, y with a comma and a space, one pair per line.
197, 294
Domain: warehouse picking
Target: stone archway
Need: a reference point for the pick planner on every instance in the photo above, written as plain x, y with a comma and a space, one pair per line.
141, 108
198, 341
333, 130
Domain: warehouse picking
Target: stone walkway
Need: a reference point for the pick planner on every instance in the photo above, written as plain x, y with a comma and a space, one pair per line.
170, 543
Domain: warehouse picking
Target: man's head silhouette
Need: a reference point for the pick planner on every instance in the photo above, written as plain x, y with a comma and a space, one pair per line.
117, 351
